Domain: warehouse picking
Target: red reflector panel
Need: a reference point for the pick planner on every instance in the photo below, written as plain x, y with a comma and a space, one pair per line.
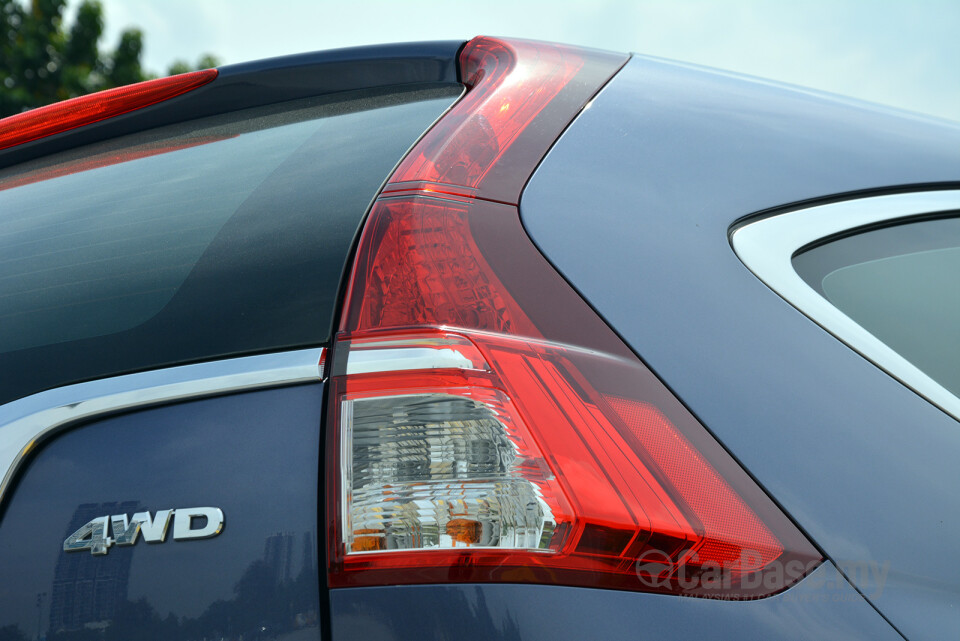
488, 425
77, 112
721, 512
485, 143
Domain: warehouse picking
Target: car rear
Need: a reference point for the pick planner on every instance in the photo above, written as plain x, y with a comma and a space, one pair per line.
301, 301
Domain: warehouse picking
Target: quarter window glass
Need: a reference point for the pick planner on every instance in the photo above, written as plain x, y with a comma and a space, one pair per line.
902, 284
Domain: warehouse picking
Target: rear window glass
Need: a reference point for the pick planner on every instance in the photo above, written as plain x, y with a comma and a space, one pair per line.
218, 237
901, 284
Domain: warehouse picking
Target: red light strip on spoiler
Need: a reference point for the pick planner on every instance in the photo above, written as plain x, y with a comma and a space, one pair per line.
84, 110
487, 424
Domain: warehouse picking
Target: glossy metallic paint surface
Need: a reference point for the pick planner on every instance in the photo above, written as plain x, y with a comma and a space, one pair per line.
634, 205
822, 606
24, 423
253, 455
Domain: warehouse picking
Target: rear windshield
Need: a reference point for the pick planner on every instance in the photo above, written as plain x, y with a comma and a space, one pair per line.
218, 237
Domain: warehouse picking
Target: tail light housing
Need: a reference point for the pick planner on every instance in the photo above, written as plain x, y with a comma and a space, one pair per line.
487, 424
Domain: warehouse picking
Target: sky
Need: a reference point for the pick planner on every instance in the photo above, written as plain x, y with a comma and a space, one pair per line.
902, 53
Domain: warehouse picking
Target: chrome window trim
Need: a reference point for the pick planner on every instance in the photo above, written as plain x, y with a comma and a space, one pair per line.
767, 248
27, 421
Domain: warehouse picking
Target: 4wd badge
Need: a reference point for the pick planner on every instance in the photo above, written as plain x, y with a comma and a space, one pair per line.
93, 536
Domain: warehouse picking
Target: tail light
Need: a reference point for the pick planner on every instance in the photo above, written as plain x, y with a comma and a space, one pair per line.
488, 425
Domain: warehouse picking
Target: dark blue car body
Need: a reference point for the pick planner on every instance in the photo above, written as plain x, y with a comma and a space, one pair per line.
634, 206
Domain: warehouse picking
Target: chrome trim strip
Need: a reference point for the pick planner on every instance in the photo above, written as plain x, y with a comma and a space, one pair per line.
767, 248
25, 422
365, 361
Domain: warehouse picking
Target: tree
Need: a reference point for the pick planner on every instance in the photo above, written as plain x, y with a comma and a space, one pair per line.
206, 61
40, 63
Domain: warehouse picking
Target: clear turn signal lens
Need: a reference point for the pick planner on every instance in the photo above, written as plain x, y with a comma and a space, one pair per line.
440, 471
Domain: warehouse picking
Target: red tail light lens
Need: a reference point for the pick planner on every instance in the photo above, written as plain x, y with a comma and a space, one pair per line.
485, 147
77, 112
489, 426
